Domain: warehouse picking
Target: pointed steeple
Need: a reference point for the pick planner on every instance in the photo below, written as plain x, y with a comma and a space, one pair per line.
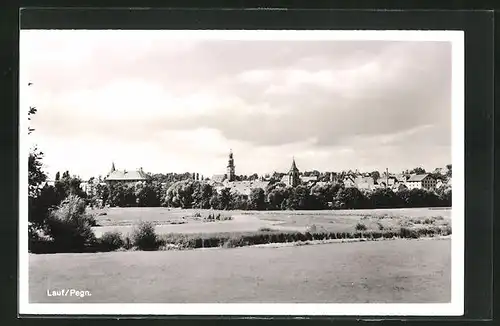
230, 167
293, 175
113, 166
294, 166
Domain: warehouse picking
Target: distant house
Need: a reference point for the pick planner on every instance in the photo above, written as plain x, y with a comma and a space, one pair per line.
440, 184
443, 184
421, 181
348, 181
310, 180
125, 177
48, 183
218, 177
366, 183
243, 187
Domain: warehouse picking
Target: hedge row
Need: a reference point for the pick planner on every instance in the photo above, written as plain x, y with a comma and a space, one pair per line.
232, 240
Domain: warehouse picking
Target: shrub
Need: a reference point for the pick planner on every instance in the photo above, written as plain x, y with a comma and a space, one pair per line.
111, 241
408, 233
311, 228
70, 227
380, 226
127, 243
144, 236
360, 227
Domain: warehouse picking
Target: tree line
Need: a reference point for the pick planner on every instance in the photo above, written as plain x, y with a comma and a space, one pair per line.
277, 196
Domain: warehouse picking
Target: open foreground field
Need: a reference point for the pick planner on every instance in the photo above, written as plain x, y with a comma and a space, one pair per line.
170, 220
392, 271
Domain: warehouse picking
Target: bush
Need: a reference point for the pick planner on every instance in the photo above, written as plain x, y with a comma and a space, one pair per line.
111, 241
70, 227
144, 236
360, 227
405, 232
127, 243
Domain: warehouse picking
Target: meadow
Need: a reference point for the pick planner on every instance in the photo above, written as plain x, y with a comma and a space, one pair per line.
171, 220
392, 271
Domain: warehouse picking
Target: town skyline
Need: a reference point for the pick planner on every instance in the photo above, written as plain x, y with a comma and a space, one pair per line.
180, 106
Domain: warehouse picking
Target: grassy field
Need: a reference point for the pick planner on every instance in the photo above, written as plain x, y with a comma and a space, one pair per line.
394, 271
183, 221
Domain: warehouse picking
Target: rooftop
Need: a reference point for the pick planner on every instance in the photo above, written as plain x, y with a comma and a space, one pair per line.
417, 177
116, 175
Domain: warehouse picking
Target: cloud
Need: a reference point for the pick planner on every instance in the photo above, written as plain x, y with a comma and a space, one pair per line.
182, 104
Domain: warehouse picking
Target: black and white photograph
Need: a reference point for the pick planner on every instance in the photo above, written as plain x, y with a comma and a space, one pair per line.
241, 172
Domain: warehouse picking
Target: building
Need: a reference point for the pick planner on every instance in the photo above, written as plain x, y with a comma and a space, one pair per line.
292, 178
228, 180
366, 183
126, 177
348, 181
421, 181
309, 179
231, 168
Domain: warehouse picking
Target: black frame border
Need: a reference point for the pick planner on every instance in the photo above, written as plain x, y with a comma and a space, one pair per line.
479, 100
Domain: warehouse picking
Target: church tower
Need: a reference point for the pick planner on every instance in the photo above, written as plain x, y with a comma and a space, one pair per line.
230, 168
293, 175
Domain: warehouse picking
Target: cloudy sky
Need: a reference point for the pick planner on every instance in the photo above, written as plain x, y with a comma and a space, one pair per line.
142, 99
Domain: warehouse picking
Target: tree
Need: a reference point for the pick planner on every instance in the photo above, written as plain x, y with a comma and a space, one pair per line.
375, 175
422, 198
299, 198
36, 176
418, 170
38, 205
321, 195
384, 198
445, 197
102, 194
277, 196
404, 197
68, 185
254, 176
448, 172
201, 194
349, 198
70, 226
238, 201
257, 200
225, 198
148, 194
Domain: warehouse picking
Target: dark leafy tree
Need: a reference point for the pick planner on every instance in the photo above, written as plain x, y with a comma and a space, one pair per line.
257, 200
418, 170
375, 175
277, 196
350, 198
385, 198
36, 176
448, 172
225, 198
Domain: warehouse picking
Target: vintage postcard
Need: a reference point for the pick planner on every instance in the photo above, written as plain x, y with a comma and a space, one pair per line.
246, 172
